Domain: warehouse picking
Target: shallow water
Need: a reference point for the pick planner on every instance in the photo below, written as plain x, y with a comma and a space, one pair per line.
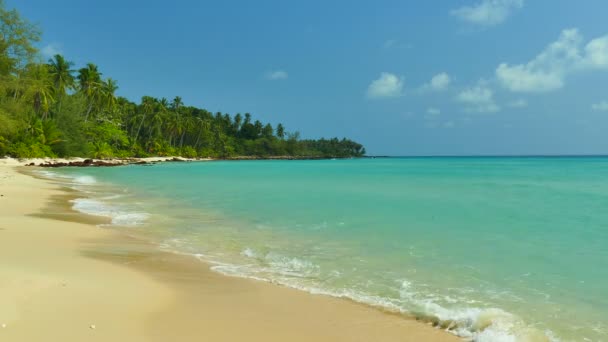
497, 249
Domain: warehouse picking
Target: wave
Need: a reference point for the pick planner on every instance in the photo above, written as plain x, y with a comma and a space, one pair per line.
118, 215
71, 179
473, 323
85, 180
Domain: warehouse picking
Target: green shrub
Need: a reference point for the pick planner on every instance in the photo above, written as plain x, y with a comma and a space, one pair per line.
188, 152
101, 150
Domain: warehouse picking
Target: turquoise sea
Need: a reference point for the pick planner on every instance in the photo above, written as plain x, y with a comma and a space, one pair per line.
494, 249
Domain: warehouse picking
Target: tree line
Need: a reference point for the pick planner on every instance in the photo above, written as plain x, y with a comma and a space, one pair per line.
51, 108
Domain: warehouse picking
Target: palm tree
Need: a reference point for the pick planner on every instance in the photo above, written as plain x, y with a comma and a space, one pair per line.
177, 103
203, 126
89, 78
157, 118
238, 120
280, 131
108, 90
89, 81
39, 89
187, 124
61, 74
163, 104
148, 104
175, 127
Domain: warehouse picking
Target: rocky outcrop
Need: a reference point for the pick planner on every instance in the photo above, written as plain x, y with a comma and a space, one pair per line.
85, 163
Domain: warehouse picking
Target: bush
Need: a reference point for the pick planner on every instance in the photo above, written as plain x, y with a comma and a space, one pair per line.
33, 150
189, 152
123, 154
3, 146
101, 150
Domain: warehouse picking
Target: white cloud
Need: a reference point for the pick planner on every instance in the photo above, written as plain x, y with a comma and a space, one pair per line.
390, 43
596, 53
519, 103
449, 124
439, 82
488, 12
51, 50
431, 117
276, 75
478, 99
600, 107
548, 70
388, 85
433, 111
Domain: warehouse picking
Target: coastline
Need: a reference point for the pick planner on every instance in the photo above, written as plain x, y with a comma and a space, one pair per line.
67, 279
91, 162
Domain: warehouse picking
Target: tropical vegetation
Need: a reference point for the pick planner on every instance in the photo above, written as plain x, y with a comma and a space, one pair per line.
51, 108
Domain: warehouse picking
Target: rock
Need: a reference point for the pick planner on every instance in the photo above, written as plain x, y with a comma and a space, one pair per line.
85, 163
92, 326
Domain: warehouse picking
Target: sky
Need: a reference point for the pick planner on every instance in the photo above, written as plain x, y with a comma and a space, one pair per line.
458, 77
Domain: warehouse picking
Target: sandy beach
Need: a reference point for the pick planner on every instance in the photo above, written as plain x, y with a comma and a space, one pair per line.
62, 278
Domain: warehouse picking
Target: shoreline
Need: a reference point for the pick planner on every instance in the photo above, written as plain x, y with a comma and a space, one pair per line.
161, 296
93, 162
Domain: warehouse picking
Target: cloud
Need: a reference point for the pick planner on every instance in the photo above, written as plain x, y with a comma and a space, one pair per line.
600, 107
596, 53
388, 85
51, 50
439, 82
519, 103
548, 70
433, 111
478, 99
488, 12
390, 43
276, 75
449, 124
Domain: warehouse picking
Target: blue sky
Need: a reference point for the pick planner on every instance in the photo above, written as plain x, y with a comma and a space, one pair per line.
401, 77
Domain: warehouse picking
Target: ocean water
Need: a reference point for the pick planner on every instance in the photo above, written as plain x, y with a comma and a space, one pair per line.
492, 249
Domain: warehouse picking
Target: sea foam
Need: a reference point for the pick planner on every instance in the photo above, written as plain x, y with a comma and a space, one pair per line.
475, 323
118, 215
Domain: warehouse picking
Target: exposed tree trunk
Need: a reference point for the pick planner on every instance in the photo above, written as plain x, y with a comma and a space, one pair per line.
198, 137
86, 117
139, 128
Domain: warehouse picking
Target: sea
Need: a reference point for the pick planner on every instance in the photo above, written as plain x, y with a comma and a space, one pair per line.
487, 248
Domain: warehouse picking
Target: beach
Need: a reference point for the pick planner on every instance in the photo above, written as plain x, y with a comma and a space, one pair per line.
64, 278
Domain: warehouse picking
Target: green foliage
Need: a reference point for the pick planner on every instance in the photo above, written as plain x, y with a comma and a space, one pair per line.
69, 121
18, 37
101, 150
108, 132
30, 149
189, 152
4, 145
50, 109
